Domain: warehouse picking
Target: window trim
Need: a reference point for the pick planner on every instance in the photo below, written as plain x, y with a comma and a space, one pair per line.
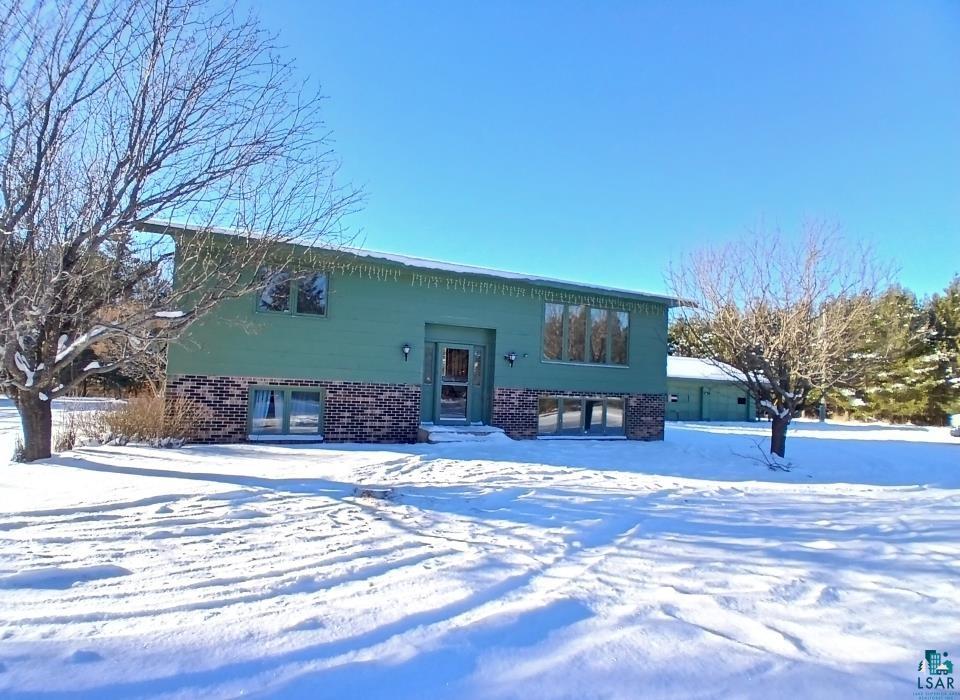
293, 296
285, 433
565, 335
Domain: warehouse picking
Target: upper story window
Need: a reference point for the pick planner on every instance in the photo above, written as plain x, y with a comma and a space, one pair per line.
282, 293
580, 333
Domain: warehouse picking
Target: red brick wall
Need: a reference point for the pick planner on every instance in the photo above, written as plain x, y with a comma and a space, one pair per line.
515, 410
352, 411
373, 412
645, 414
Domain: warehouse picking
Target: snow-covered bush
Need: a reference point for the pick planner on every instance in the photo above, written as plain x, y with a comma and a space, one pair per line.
66, 437
153, 420
18, 454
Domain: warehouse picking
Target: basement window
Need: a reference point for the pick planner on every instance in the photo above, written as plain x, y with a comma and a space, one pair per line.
285, 413
576, 416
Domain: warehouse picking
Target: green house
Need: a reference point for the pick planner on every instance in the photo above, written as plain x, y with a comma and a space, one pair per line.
700, 390
369, 347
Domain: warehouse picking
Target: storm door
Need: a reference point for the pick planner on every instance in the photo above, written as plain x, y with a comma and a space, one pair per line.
454, 386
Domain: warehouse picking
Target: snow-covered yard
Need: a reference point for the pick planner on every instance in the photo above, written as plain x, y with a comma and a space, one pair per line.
682, 569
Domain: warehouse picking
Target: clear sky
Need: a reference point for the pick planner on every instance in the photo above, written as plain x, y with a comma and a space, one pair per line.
597, 141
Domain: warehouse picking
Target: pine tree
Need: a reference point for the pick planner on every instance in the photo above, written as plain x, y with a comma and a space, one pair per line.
874, 381
683, 337
944, 313
906, 367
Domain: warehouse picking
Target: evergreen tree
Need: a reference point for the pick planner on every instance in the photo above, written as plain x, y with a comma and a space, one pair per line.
895, 374
682, 337
944, 312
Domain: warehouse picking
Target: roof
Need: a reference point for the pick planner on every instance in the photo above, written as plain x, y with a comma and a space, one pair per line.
699, 368
456, 268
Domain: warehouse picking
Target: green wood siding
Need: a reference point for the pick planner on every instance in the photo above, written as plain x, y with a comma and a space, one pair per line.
707, 400
369, 319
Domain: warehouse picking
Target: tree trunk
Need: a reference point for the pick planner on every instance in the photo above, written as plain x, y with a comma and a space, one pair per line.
778, 436
37, 421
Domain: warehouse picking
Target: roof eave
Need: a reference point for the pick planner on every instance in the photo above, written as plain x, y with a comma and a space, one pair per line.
667, 301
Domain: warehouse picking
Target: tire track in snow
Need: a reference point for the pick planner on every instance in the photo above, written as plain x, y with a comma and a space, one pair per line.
294, 586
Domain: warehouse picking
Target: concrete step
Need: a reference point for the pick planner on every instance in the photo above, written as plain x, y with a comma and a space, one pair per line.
459, 433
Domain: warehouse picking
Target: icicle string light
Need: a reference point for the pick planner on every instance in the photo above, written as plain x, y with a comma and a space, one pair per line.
383, 273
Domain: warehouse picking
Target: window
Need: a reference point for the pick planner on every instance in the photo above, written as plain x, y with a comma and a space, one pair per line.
276, 291
429, 356
571, 416
576, 416
579, 333
742, 400
454, 365
477, 367
613, 419
553, 332
576, 333
547, 415
282, 411
266, 411
305, 412
619, 336
453, 402
598, 335
674, 398
312, 294
307, 297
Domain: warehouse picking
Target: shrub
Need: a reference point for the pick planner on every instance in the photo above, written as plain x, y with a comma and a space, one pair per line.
18, 451
149, 419
66, 437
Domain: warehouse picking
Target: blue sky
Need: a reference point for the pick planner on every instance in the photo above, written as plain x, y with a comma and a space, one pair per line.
599, 141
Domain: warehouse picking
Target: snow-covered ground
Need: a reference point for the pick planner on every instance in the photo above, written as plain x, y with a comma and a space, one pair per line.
682, 569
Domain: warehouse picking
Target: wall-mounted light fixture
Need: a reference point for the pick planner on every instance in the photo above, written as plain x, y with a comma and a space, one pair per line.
510, 357
406, 351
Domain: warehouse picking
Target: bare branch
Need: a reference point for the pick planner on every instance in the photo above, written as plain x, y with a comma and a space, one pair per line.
116, 113
785, 314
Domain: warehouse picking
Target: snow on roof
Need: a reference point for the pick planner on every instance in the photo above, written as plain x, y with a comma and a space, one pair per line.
440, 265
698, 368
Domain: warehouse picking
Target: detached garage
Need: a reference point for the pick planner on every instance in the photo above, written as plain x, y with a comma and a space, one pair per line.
702, 390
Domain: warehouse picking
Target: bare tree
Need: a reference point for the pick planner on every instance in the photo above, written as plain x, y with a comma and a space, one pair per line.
785, 314
116, 113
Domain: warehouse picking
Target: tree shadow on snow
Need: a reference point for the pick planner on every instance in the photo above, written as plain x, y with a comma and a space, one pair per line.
452, 654
319, 487
671, 525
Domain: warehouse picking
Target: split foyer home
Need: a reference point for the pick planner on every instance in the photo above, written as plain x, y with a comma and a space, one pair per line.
367, 347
